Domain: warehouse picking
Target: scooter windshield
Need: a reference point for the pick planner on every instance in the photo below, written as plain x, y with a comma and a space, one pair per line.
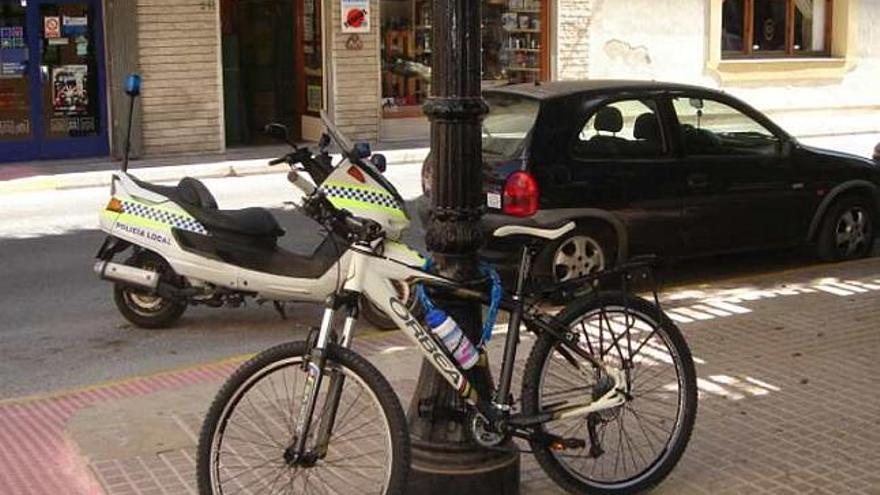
344, 144
348, 151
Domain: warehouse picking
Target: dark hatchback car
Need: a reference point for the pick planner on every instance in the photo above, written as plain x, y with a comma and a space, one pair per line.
667, 169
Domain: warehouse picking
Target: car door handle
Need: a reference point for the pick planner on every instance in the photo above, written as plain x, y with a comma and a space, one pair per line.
697, 181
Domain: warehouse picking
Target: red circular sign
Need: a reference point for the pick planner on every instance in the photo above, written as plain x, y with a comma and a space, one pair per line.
355, 18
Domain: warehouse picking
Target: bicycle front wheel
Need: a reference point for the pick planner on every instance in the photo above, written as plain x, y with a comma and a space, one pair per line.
247, 437
631, 447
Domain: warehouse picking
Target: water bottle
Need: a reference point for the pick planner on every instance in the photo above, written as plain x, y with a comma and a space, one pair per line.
453, 338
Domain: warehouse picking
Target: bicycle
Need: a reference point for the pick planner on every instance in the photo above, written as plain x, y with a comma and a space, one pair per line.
344, 428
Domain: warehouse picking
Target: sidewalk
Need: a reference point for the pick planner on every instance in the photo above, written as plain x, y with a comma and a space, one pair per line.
72, 174
79, 173
787, 366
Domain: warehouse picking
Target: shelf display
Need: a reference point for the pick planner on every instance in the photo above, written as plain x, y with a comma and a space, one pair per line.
15, 105
513, 49
313, 67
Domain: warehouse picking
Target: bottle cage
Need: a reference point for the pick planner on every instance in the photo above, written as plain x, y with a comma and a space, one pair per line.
495, 293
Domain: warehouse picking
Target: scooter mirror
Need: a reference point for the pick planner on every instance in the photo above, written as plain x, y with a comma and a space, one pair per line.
378, 160
133, 85
277, 131
362, 150
324, 142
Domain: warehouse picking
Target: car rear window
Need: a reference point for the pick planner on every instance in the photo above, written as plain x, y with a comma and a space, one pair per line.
509, 121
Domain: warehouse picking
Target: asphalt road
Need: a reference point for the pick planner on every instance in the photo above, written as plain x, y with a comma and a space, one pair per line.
59, 328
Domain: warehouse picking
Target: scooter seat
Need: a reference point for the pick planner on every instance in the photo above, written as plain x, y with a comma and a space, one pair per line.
248, 221
197, 200
188, 191
195, 193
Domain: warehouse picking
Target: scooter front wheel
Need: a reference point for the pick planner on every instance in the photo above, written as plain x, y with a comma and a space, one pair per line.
145, 309
376, 316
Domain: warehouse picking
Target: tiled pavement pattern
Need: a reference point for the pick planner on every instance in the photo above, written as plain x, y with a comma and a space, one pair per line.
789, 402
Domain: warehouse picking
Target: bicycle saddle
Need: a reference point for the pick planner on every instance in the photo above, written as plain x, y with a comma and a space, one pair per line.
541, 232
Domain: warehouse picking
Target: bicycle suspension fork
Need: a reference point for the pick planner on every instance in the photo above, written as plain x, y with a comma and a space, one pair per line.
334, 392
315, 374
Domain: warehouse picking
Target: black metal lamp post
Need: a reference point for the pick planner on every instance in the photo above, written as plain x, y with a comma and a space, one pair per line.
445, 459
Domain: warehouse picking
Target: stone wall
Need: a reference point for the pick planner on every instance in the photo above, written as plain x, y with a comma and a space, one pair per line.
179, 59
670, 40
353, 84
573, 20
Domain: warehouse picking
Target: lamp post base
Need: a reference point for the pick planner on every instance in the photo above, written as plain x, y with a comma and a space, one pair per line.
439, 469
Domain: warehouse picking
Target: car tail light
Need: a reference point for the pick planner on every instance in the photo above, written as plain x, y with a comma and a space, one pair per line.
520, 195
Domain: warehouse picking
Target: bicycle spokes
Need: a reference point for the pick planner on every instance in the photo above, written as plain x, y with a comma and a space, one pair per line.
623, 438
345, 447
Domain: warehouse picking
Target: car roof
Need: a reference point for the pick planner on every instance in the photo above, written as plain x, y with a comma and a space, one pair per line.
557, 89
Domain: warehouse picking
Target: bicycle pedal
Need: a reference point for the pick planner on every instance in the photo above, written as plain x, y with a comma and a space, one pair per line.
567, 443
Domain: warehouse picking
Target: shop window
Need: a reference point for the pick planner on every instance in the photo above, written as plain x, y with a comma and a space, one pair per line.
514, 47
313, 61
15, 105
776, 28
69, 62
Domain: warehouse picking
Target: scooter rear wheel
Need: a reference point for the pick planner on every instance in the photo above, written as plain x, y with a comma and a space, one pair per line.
142, 308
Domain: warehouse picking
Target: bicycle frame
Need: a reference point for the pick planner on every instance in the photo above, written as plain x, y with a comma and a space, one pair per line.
372, 275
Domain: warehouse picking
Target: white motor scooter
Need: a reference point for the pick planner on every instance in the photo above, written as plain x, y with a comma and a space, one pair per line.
183, 250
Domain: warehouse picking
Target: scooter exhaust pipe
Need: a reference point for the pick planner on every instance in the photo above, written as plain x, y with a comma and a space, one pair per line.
127, 274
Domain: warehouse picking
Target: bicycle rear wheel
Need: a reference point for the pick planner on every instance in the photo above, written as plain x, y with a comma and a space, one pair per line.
640, 441
246, 439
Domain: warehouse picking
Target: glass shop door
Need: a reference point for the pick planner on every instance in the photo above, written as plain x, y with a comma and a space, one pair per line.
52, 89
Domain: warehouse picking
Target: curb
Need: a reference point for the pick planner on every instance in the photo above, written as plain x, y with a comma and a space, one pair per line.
369, 335
171, 173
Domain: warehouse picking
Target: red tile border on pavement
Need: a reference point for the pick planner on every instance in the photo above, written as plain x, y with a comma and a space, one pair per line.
35, 454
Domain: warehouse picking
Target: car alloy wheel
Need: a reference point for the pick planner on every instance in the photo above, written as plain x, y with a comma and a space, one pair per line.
577, 256
851, 232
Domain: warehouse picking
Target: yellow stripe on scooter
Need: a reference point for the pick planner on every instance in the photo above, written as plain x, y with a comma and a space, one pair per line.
355, 204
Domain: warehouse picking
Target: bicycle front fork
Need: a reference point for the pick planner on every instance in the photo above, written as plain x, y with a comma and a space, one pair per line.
316, 369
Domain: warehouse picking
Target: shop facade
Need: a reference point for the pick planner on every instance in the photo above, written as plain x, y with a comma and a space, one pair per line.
52, 79
216, 71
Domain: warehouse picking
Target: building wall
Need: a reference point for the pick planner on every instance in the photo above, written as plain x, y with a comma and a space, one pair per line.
572, 30
674, 43
353, 85
179, 60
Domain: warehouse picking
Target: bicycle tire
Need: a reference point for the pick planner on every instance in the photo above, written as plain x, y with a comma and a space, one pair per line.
291, 354
672, 451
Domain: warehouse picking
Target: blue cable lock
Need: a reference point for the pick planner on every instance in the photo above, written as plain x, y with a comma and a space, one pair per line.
495, 294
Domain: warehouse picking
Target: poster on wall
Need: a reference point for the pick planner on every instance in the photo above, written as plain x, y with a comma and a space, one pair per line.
69, 90
355, 16
74, 25
51, 27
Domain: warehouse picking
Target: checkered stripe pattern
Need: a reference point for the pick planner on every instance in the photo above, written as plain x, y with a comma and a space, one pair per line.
177, 221
371, 197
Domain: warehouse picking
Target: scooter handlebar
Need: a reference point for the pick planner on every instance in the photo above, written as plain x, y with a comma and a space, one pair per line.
342, 222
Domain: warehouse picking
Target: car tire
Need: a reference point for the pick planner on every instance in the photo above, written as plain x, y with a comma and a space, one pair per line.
582, 252
847, 230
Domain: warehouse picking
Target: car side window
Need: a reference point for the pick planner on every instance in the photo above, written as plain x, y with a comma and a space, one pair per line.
710, 127
625, 128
